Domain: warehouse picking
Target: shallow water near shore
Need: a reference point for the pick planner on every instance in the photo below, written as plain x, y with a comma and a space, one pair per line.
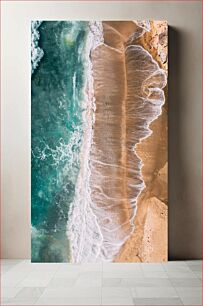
57, 130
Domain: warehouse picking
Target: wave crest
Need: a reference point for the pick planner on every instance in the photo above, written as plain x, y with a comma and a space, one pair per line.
36, 52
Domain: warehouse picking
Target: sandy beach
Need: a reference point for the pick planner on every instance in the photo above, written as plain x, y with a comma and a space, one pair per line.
128, 160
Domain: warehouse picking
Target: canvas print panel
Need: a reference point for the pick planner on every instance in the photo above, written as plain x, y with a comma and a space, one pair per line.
99, 141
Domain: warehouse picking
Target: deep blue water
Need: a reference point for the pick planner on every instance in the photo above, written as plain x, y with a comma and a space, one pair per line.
57, 87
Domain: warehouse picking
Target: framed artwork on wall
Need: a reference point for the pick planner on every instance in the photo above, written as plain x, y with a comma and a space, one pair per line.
99, 141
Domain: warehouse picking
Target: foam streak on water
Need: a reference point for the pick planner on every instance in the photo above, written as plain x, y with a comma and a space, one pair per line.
82, 229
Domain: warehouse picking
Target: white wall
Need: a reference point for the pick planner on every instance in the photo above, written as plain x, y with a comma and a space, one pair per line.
184, 108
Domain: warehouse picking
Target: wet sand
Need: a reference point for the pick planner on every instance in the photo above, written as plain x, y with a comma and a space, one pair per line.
129, 176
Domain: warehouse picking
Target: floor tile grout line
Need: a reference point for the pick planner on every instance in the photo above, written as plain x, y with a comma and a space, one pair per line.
47, 285
192, 272
167, 272
186, 304
10, 299
176, 289
16, 286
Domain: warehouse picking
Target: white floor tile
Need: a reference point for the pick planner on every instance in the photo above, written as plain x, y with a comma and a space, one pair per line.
6, 268
154, 292
147, 282
51, 267
177, 268
91, 267
113, 267
122, 274
192, 301
117, 301
89, 279
116, 292
91, 282
9, 292
11, 261
30, 292
198, 274
155, 274
70, 267
37, 279
152, 267
177, 274
112, 282
158, 301
61, 282
13, 279
175, 263
74, 292
196, 268
68, 271
185, 282
189, 291
193, 262
170, 283
69, 301
90, 274
21, 301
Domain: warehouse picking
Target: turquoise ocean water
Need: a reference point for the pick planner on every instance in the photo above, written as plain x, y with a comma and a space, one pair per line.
57, 95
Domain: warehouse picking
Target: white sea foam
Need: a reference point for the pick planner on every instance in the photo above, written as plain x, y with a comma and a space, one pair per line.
146, 80
82, 229
152, 85
143, 27
36, 52
95, 232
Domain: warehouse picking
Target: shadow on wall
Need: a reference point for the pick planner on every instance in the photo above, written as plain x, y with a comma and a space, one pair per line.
184, 208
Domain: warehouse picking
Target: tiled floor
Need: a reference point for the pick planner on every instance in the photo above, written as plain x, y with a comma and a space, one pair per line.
172, 283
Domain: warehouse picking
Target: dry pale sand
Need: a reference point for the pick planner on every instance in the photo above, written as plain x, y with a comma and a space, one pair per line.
121, 114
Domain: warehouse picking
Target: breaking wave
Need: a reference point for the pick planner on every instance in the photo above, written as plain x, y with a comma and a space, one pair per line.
36, 52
